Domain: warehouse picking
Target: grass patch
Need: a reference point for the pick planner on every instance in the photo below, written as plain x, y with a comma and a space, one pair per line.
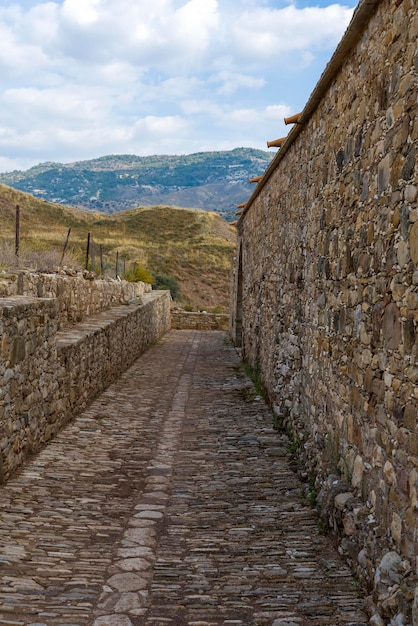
293, 447
190, 249
254, 374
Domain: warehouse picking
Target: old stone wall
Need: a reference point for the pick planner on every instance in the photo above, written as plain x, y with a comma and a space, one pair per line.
95, 352
185, 320
326, 297
79, 294
29, 377
47, 376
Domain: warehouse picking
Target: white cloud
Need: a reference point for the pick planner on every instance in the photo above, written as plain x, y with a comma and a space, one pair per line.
39, 25
82, 11
9, 165
82, 78
194, 22
178, 88
51, 105
264, 34
12, 139
205, 107
18, 58
138, 32
257, 125
160, 127
230, 82
118, 73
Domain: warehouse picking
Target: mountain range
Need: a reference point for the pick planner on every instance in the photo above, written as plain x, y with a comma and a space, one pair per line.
213, 181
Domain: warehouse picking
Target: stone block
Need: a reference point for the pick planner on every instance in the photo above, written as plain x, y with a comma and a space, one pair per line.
410, 193
358, 471
383, 173
391, 326
410, 417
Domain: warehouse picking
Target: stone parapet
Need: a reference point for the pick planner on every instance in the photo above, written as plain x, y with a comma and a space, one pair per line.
29, 377
95, 352
47, 376
325, 299
79, 295
184, 320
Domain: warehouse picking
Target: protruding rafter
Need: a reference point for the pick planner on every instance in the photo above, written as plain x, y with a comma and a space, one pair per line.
276, 143
293, 119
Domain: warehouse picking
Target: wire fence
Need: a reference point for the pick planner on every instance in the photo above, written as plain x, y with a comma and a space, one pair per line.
50, 258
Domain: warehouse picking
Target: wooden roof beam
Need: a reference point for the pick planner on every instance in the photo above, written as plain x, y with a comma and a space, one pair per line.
293, 119
276, 143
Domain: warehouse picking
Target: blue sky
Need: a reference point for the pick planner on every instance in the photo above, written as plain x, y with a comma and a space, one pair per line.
81, 79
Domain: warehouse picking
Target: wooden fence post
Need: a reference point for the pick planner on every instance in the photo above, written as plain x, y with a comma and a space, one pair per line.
17, 238
93, 256
65, 247
88, 251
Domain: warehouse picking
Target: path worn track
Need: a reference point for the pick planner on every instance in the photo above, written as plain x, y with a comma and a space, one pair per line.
170, 502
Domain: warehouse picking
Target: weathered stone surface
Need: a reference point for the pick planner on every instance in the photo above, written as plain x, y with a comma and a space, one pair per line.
127, 582
133, 564
358, 471
233, 544
184, 320
392, 326
348, 228
113, 620
47, 374
413, 243
343, 499
77, 297
411, 193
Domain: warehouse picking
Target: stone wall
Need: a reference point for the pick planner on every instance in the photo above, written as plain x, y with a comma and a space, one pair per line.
326, 297
47, 376
94, 353
185, 320
29, 377
79, 294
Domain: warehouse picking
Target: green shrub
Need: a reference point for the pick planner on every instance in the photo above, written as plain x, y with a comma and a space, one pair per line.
139, 273
163, 281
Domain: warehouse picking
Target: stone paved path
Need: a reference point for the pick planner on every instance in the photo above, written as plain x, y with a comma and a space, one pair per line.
170, 502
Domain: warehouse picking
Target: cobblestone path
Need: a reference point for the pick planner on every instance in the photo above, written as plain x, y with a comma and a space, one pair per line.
170, 502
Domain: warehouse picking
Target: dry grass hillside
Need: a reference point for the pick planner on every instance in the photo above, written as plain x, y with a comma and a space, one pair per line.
191, 247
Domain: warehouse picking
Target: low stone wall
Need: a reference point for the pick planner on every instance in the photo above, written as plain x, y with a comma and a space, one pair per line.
94, 353
183, 320
79, 295
47, 376
29, 378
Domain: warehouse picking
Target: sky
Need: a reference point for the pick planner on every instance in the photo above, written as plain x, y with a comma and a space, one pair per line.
80, 79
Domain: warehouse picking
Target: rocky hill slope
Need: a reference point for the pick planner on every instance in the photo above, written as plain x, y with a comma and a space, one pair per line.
190, 249
213, 181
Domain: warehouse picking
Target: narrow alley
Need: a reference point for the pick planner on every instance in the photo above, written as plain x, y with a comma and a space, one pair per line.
169, 502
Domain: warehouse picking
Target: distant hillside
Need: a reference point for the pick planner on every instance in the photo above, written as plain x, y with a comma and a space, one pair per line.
193, 247
213, 181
